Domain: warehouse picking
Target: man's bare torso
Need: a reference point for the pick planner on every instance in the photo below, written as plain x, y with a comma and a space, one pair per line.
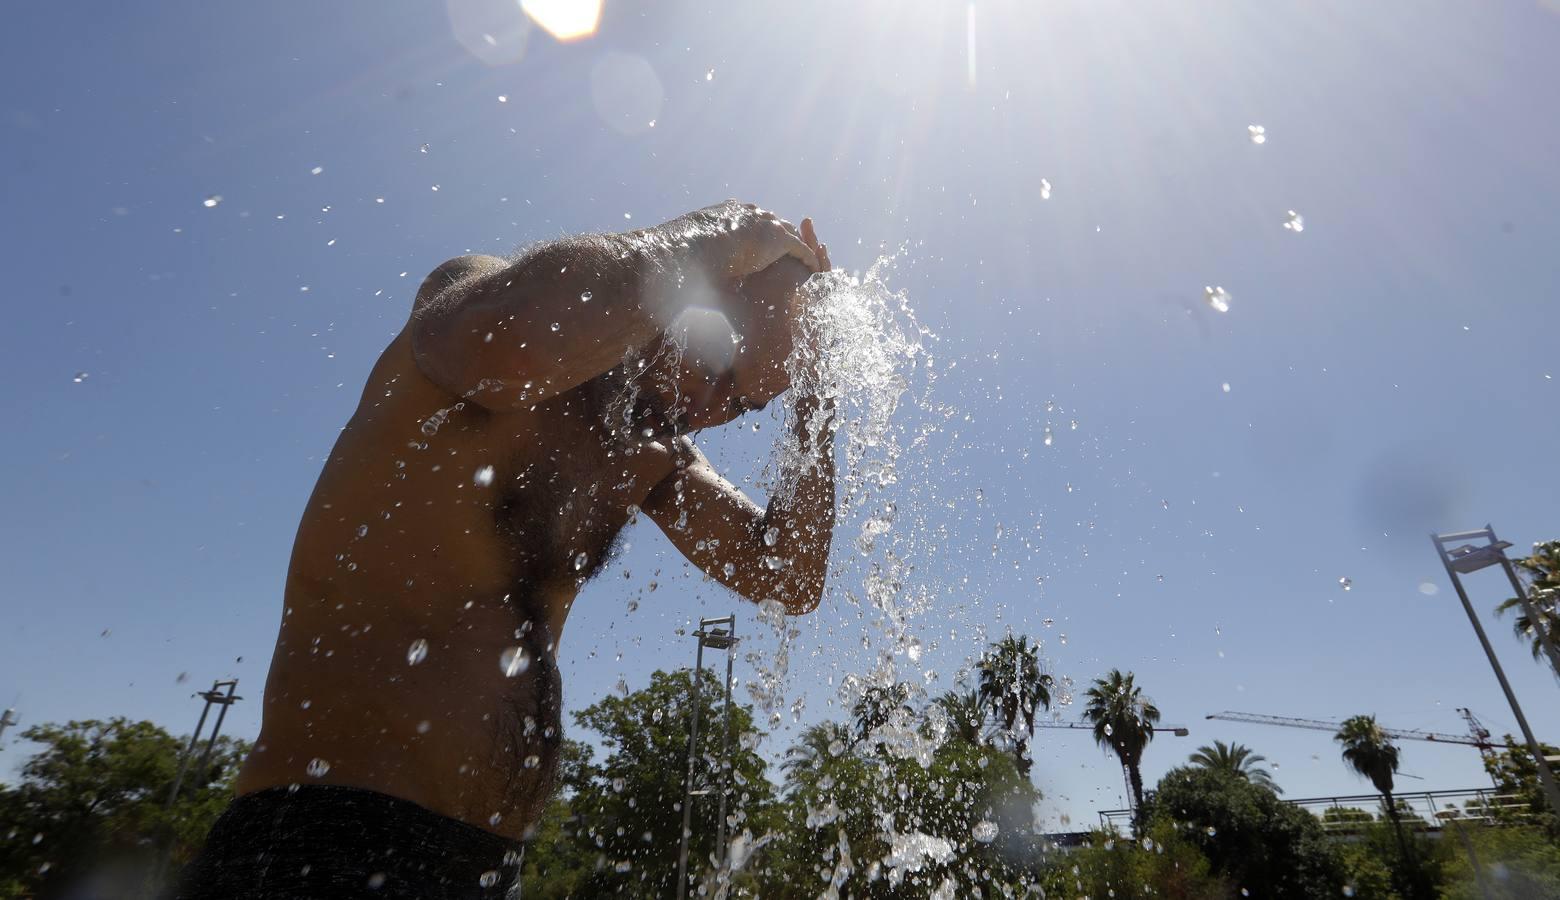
428, 587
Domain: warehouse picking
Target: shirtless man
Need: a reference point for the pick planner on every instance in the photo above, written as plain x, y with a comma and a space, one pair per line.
505, 437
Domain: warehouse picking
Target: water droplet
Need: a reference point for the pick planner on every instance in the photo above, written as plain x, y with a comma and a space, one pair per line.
317, 768
79, 377
771, 536
532, 761
488, 878
211, 201
728, 570
1211, 831
710, 75
1073, 425
585, 296
423, 148
984, 831
1217, 297
1225, 387
362, 531
580, 559
1428, 588
417, 652
483, 477
1109, 729
1346, 583
376, 881
1348, 890
1048, 621
1047, 438
1045, 189
1295, 222
1258, 134
554, 326
514, 661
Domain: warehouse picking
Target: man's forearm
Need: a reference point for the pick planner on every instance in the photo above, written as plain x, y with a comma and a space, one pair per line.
799, 520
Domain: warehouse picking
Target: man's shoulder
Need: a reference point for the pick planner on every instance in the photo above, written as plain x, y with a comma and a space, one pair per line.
438, 289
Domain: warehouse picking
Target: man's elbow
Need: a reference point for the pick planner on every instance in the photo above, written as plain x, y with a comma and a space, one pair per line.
801, 596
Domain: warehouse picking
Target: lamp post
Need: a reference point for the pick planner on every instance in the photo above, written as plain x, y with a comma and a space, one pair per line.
222, 694
1471, 558
716, 638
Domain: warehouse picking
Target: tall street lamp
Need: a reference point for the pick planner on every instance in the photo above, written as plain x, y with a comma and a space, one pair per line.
715, 637
1471, 558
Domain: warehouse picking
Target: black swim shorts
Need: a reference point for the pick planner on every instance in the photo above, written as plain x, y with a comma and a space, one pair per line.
313, 842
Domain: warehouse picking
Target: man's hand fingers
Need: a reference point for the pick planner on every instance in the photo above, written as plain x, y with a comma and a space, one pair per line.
793, 245
810, 236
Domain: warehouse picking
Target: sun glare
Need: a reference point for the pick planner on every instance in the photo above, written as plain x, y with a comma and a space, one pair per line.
565, 20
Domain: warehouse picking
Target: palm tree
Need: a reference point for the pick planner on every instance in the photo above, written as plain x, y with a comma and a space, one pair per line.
1543, 571
1123, 721
1368, 750
1237, 760
1013, 688
966, 713
877, 706
812, 751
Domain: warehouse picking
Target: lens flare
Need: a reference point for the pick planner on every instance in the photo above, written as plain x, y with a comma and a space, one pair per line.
565, 20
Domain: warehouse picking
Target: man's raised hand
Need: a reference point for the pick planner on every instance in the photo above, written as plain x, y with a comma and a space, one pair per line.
733, 240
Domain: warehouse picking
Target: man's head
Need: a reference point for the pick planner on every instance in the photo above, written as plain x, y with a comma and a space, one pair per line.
714, 364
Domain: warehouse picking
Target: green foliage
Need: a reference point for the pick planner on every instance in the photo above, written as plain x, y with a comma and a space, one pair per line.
88, 813
1542, 570
1516, 863
615, 827
1517, 783
1249, 836
877, 819
1237, 760
1165, 866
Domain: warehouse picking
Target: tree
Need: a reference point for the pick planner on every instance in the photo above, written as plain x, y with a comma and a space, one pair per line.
1251, 838
1515, 774
1123, 721
1164, 866
965, 714
870, 821
1517, 863
88, 814
1013, 688
809, 756
879, 705
626, 810
1543, 572
1235, 759
1372, 755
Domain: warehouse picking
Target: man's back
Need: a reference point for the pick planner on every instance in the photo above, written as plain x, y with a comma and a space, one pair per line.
441, 547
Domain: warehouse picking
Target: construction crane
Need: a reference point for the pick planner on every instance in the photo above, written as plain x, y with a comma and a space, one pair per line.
1177, 730
1478, 735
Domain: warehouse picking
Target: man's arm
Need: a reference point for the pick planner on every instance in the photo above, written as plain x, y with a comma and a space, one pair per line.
509, 335
779, 553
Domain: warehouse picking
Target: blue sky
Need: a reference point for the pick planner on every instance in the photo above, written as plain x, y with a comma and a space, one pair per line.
1389, 368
